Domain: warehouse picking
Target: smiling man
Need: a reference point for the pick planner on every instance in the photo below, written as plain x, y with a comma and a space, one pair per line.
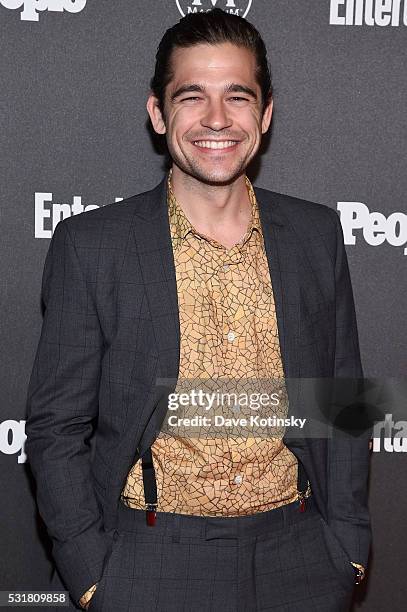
203, 278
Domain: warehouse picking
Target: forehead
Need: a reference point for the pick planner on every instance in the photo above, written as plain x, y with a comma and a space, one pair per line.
211, 63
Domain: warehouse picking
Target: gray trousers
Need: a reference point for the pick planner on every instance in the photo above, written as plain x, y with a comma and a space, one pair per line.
281, 560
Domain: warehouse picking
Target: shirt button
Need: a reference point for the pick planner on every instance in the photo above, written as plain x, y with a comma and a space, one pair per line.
238, 479
231, 336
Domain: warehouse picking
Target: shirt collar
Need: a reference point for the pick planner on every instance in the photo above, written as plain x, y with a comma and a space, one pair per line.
181, 226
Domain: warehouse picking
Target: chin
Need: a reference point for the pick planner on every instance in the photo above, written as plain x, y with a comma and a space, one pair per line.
216, 176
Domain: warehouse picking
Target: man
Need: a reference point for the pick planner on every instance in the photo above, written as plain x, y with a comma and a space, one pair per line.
203, 277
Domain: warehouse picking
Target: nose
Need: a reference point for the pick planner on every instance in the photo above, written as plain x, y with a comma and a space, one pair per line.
216, 116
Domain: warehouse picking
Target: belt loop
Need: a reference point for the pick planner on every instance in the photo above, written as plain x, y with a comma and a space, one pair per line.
176, 527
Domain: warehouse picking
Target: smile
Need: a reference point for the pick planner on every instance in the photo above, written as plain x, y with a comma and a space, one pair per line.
216, 144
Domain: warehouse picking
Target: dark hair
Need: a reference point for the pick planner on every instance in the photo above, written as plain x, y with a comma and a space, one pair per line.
212, 27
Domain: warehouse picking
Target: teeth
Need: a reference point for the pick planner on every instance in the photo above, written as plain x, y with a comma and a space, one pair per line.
210, 144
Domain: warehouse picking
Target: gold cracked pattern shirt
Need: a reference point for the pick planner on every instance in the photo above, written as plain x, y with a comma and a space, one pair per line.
228, 332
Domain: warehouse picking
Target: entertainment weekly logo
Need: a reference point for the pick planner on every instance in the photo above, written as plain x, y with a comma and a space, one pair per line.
47, 213
374, 227
368, 12
31, 8
392, 435
236, 7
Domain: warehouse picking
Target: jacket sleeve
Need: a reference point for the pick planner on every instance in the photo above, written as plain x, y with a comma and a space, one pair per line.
348, 449
62, 401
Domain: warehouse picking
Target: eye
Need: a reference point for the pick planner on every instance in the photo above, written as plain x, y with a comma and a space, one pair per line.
239, 98
190, 98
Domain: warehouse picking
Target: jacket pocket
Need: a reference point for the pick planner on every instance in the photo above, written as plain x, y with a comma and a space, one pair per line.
338, 556
94, 601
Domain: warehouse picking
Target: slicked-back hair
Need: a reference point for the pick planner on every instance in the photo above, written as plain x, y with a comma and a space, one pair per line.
213, 27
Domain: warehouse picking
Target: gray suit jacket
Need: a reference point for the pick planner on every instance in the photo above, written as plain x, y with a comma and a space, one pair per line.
111, 333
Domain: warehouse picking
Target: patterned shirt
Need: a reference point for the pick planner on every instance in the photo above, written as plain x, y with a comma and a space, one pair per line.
229, 340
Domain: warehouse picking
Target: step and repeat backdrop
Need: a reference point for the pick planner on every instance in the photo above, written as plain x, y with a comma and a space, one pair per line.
75, 135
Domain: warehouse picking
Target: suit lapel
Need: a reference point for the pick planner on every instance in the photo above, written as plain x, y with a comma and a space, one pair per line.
153, 243
279, 242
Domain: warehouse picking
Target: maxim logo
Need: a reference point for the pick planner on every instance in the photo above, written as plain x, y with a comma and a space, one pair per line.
31, 8
237, 7
368, 12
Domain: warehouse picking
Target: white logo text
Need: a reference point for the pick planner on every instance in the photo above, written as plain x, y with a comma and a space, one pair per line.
31, 8
394, 435
368, 12
376, 228
46, 209
12, 439
201, 6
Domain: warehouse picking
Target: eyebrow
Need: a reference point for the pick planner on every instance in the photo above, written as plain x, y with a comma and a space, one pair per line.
196, 87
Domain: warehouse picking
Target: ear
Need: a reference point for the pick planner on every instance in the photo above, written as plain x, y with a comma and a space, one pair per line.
155, 114
266, 119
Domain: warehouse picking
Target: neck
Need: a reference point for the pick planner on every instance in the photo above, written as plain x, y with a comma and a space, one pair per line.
212, 208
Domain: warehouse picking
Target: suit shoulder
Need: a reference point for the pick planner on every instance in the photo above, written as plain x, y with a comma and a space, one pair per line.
116, 215
300, 212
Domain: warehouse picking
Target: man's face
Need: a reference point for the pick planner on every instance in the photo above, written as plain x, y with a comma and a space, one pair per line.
213, 96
